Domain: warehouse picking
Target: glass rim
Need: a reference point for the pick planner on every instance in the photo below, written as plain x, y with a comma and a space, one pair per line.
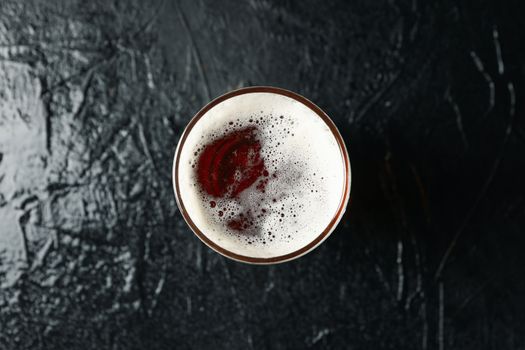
319, 238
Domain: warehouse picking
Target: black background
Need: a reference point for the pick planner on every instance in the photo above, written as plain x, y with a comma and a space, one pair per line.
427, 94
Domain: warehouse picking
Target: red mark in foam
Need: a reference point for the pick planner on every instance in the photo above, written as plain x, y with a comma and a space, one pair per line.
261, 186
231, 164
239, 224
242, 222
228, 166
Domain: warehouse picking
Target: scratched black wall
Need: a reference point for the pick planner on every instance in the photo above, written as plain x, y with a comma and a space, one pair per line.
428, 95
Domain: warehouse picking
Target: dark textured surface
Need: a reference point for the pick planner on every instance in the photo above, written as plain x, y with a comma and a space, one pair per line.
428, 95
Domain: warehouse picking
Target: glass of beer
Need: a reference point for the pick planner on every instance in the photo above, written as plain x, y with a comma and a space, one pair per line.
261, 175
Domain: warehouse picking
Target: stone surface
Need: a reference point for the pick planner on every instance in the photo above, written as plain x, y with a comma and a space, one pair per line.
428, 95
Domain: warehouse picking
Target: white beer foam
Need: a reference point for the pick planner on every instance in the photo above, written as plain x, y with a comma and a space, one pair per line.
297, 146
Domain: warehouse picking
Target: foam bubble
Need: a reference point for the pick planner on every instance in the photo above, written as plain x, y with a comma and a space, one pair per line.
294, 198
